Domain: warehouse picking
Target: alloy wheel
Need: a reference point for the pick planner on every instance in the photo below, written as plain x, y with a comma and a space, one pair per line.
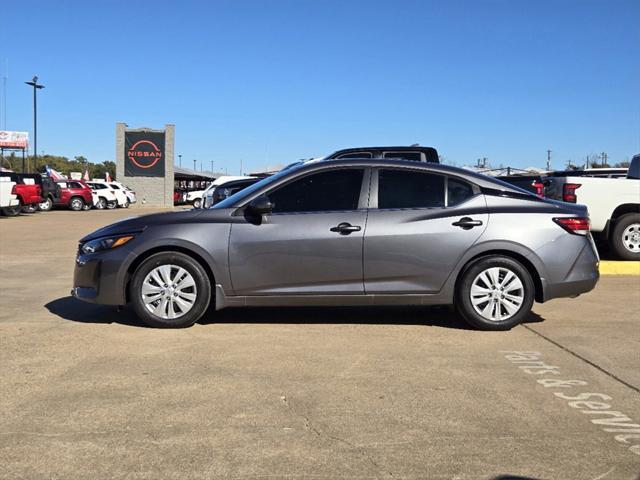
497, 294
631, 238
168, 291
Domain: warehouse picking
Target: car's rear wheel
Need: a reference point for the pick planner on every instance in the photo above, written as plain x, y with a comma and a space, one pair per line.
101, 204
495, 293
170, 290
111, 205
46, 205
625, 239
76, 204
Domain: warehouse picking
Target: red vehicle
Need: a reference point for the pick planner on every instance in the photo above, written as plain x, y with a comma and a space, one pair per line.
73, 194
28, 189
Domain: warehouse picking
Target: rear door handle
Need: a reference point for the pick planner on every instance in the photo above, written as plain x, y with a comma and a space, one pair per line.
466, 223
345, 228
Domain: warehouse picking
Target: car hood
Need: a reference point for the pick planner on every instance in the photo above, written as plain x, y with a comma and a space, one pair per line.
142, 222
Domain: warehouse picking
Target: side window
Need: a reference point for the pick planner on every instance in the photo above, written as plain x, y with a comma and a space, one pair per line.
457, 191
74, 185
410, 189
413, 156
320, 192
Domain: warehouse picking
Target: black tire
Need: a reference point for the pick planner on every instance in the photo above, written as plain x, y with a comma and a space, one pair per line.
46, 205
86, 207
76, 204
470, 274
101, 204
625, 238
111, 205
31, 208
202, 289
12, 211
197, 203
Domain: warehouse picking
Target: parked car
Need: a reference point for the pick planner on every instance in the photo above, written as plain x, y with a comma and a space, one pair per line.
27, 189
9, 203
218, 192
414, 153
131, 195
347, 232
178, 197
73, 194
108, 195
613, 202
194, 197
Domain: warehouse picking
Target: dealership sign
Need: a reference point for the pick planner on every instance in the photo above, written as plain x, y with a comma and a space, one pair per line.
144, 153
14, 139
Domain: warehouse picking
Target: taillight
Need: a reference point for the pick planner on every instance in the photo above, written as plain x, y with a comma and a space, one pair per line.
569, 192
576, 225
14, 190
539, 188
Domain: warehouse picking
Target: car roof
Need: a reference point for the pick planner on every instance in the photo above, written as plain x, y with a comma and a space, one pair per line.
471, 176
430, 152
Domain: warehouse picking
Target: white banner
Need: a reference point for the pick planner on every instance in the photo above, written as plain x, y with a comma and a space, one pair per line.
14, 139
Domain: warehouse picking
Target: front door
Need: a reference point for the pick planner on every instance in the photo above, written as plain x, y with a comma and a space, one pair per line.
310, 244
423, 224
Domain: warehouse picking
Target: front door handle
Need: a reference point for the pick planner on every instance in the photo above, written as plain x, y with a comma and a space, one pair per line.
345, 228
466, 223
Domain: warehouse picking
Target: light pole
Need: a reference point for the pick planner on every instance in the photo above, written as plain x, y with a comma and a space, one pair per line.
36, 87
211, 166
179, 159
194, 164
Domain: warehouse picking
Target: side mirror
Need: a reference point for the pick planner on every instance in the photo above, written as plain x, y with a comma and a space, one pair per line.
260, 206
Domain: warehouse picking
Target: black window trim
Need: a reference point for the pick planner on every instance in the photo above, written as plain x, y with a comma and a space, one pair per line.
373, 191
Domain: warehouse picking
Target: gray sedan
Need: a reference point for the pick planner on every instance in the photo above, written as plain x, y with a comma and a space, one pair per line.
347, 232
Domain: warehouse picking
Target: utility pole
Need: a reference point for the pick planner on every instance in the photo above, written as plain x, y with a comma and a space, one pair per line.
548, 160
36, 87
194, 164
240, 166
604, 158
180, 159
211, 166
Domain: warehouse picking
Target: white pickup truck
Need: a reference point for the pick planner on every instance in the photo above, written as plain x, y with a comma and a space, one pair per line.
9, 203
613, 203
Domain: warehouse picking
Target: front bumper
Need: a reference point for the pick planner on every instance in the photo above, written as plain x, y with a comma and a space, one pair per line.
101, 277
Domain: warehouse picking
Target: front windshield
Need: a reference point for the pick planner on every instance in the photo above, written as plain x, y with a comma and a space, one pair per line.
247, 192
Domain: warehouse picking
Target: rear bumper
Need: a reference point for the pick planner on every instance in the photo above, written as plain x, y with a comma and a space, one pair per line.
582, 277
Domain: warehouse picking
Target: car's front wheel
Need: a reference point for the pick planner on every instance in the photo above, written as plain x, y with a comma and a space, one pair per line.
170, 290
495, 293
197, 203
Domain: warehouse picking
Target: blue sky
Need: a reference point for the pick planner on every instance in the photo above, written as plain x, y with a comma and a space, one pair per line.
270, 82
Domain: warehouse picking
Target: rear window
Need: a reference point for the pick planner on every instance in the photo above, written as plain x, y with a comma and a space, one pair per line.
410, 189
413, 156
357, 155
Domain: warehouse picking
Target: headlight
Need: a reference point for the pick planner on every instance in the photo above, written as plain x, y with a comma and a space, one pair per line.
106, 243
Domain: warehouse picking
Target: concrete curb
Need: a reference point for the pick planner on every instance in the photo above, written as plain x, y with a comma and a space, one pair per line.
608, 267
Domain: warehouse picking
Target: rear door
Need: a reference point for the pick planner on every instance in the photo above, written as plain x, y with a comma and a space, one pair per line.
312, 241
419, 226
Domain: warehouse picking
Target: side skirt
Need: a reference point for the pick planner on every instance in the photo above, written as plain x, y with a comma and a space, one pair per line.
224, 301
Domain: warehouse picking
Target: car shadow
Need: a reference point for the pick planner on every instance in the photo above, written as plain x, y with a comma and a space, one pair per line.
75, 310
